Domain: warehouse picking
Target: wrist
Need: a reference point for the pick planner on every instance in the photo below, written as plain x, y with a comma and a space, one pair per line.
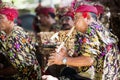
64, 60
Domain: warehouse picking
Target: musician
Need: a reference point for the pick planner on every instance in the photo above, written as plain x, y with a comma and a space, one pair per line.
45, 19
67, 20
95, 46
16, 48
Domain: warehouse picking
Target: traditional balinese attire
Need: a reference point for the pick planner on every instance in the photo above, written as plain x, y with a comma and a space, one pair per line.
18, 48
101, 45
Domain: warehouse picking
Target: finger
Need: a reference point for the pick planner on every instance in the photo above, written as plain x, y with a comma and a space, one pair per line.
52, 54
51, 57
50, 63
57, 47
50, 60
53, 51
56, 50
63, 48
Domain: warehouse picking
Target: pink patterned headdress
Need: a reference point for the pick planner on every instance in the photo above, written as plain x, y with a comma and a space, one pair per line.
8, 10
10, 13
86, 8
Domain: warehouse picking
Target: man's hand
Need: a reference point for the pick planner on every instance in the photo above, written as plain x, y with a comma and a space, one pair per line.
56, 58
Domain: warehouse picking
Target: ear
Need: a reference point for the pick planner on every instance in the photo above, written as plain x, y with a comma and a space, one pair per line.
11, 23
88, 17
85, 14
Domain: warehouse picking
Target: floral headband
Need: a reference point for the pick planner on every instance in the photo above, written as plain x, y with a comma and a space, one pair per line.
10, 13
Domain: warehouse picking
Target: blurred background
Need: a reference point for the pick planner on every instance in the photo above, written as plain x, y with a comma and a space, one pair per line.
30, 5
26, 9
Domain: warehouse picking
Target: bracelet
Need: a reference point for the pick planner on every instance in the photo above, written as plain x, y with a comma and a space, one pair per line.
64, 60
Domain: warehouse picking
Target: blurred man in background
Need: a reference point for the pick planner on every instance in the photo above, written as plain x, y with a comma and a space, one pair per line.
45, 19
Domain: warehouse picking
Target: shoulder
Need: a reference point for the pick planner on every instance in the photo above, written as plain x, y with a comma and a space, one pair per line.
19, 31
104, 34
18, 34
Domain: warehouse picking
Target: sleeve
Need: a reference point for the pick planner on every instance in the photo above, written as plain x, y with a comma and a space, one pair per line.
20, 51
2, 42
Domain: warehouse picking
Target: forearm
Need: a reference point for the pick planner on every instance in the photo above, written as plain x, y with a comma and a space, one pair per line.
79, 61
8, 71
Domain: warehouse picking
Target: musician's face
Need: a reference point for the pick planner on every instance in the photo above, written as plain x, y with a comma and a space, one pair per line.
43, 20
67, 22
4, 22
80, 23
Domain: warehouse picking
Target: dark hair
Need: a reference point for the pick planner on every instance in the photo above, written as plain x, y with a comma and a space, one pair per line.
52, 14
93, 16
36, 24
72, 74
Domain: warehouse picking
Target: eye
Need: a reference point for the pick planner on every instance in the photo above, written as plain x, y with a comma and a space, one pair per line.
76, 18
2, 17
66, 18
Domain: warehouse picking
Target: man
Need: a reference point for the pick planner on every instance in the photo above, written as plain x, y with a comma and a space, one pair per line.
17, 48
67, 20
45, 19
45, 24
94, 46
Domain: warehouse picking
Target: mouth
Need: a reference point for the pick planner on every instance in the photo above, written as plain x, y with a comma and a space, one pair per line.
66, 27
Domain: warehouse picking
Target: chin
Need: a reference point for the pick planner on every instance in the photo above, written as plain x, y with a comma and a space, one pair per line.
66, 27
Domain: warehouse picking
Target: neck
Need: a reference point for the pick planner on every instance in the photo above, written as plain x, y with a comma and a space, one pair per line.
9, 29
52, 21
